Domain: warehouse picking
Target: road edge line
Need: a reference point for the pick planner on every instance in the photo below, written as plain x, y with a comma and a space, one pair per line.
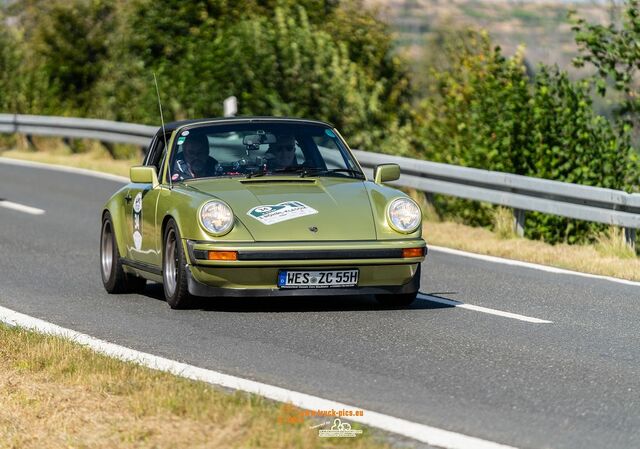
531, 265
420, 432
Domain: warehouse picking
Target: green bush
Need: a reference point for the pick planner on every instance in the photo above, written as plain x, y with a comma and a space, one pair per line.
9, 63
572, 144
313, 58
614, 52
483, 112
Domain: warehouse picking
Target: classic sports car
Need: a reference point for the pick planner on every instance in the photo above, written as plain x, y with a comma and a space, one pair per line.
260, 207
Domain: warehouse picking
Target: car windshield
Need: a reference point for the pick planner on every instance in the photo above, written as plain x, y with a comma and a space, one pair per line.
260, 149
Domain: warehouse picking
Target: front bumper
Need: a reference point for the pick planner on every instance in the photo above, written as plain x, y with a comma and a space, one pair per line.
198, 288
382, 268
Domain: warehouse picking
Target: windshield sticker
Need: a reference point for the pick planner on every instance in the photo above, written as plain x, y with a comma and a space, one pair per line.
137, 217
181, 140
271, 214
185, 133
329, 133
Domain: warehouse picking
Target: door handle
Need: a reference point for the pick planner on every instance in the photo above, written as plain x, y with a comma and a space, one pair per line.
127, 198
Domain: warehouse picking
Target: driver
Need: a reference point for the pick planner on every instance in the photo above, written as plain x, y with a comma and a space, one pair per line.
196, 162
282, 153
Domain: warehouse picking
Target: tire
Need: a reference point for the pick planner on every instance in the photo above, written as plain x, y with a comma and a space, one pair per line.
402, 300
174, 276
114, 279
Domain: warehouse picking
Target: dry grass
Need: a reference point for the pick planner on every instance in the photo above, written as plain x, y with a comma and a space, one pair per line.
608, 258
54, 151
503, 223
57, 394
613, 244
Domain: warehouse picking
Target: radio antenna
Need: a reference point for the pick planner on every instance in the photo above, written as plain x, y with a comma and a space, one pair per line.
164, 134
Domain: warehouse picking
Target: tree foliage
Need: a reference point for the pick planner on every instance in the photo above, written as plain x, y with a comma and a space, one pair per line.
484, 112
312, 58
283, 66
68, 43
9, 63
615, 53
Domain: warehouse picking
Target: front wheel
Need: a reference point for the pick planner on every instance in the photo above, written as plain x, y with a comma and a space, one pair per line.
114, 279
174, 277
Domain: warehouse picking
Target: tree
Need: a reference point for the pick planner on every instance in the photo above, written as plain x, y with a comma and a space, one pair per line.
9, 65
313, 58
24, 88
615, 53
476, 111
483, 112
283, 66
569, 142
67, 43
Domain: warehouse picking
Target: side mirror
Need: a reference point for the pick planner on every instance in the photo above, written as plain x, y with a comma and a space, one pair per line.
386, 173
143, 174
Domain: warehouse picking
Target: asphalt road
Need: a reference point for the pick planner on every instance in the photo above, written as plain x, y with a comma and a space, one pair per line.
573, 383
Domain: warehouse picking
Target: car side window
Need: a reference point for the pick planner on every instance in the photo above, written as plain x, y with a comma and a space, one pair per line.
156, 154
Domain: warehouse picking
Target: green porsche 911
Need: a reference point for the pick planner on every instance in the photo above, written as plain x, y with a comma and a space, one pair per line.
260, 207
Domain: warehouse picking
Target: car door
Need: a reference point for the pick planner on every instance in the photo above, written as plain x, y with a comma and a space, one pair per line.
144, 248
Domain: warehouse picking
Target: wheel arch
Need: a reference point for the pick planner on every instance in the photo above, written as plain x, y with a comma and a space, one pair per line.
165, 222
117, 229
163, 228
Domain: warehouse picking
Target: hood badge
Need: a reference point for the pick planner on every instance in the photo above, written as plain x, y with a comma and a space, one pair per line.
313, 228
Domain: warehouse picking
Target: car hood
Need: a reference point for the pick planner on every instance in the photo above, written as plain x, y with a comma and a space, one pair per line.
297, 209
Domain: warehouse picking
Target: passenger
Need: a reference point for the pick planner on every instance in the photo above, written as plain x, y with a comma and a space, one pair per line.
282, 153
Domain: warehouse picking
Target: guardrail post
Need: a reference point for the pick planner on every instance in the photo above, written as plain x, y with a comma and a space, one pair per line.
518, 221
429, 198
30, 142
630, 237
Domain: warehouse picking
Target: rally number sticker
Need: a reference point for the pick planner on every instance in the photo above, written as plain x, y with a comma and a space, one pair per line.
137, 217
271, 214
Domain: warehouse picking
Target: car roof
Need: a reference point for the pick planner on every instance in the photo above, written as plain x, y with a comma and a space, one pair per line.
172, 126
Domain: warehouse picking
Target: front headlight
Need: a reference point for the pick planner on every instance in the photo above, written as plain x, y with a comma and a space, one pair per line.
216, 217
404, 215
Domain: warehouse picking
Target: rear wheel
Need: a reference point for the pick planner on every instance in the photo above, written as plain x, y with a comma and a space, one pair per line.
114, 279
174, 276
402, 300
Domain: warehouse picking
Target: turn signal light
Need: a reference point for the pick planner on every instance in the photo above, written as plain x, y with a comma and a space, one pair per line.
222, 255
412, 252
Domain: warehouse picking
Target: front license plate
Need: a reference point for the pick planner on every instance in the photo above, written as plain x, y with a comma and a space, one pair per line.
317, 279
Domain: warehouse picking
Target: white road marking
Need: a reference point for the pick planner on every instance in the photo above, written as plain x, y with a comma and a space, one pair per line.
21, 207
427, 434
533, 266
462, 305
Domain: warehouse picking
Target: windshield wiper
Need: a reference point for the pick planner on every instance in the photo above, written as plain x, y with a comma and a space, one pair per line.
322, 171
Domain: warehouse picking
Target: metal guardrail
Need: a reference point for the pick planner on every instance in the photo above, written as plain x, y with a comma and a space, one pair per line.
81, 128
520, 193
